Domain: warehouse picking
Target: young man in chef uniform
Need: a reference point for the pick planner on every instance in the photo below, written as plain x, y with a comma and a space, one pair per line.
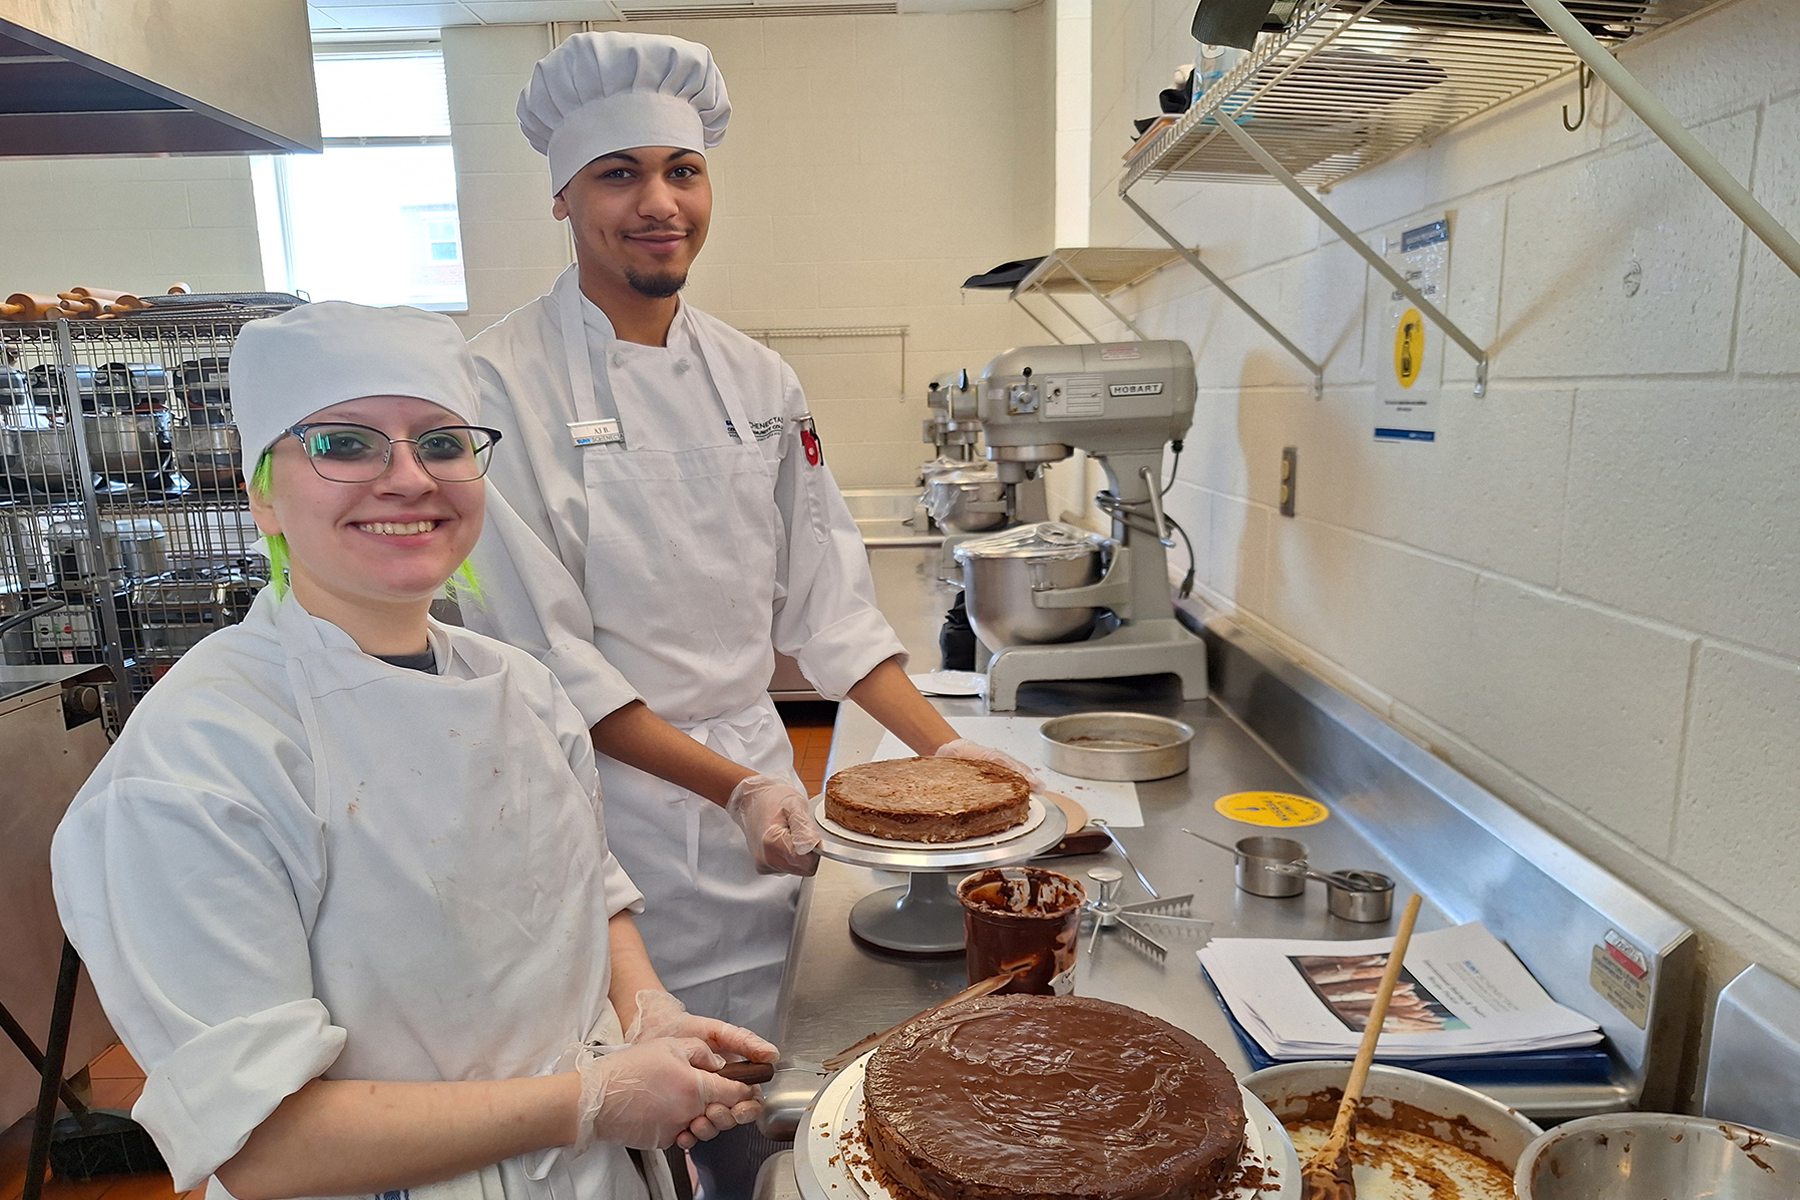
669, 463
343, 883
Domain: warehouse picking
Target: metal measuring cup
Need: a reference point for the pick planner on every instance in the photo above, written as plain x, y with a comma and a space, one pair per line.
1266, 866
1276, 867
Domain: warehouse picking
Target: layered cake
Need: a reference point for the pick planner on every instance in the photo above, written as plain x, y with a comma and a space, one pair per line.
1059, 1097
927, 799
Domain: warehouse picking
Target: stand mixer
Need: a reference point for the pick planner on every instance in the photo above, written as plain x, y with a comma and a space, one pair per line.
952, 427
1122, 403
968, 500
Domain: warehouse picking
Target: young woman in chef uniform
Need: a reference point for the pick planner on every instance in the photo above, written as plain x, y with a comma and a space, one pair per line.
343, 883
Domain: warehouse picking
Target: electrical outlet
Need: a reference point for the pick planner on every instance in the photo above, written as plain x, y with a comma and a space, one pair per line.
1290, 470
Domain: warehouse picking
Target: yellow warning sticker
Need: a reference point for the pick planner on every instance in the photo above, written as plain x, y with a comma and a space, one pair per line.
1271, 808
1409, 346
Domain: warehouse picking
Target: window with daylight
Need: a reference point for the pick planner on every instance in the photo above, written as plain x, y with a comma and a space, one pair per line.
373, 218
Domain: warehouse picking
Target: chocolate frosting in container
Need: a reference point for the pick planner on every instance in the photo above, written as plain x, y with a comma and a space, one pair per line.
1055, 1097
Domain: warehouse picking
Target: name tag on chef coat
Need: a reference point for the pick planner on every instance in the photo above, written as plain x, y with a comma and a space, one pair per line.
596, 433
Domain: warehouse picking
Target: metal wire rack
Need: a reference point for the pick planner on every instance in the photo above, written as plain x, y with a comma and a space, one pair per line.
1348, 84
124, 533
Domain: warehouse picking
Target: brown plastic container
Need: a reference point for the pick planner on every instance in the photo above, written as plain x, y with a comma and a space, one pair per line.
1023, 919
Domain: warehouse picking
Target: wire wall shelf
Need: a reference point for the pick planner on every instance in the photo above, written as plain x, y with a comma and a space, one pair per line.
1349, 84
125, 536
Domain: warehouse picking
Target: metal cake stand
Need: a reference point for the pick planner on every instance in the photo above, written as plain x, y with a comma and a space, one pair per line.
923, 915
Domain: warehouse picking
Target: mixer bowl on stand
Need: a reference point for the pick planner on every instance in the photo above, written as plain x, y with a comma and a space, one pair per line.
1002, 571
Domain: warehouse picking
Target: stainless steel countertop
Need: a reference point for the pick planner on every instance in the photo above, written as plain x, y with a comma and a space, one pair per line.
838, 990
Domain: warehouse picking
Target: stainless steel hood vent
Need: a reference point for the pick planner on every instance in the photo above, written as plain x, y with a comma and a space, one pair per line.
84, 77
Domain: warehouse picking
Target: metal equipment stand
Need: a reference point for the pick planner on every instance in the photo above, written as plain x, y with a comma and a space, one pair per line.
56, 1048
1157, 646
1292, 112
923, 915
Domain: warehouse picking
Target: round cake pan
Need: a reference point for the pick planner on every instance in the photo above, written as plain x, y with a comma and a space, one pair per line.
1397, 1097
1122, 746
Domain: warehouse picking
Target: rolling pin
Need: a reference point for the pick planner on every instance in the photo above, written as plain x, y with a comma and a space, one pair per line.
25, 306
92, 302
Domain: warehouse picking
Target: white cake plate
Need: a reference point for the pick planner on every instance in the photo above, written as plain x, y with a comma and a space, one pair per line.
830, 1143
923, 915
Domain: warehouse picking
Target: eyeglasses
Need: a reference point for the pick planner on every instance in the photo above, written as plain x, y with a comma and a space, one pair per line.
359, 454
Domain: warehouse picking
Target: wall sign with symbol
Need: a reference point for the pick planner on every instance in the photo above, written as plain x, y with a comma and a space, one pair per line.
1408, 385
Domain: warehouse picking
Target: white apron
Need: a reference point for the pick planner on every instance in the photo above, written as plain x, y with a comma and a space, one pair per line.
389, 746
655, 519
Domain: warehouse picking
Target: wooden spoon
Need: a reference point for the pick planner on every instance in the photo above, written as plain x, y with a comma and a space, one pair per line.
1327, 1174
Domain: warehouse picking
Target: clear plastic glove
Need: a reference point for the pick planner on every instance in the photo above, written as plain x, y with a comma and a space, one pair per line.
657, 1093
964, 748
660, 1015
776, 818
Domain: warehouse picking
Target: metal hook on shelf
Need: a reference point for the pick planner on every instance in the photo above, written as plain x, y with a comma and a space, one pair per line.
1584, 77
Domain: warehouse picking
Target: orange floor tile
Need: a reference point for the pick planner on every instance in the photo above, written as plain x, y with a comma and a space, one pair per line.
116, 1083
809, 729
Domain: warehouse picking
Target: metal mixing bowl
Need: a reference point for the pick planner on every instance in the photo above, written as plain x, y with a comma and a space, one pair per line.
210, 455
1425, 1104
966, 499
1658, 1156
1001, 571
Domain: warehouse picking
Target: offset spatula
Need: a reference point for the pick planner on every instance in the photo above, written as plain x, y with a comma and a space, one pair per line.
1327, 1175
974, 991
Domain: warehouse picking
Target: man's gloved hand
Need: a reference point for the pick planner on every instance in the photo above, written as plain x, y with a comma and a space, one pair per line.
658, 1093
660, 1015
776, 818
964, 748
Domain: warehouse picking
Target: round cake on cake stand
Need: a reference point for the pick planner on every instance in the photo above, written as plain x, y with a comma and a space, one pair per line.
923, 915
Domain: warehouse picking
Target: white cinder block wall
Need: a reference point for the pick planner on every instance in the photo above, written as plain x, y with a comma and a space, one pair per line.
873, 163
1586, 594
132, 224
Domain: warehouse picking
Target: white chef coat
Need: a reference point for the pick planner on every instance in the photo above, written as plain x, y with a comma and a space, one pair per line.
711, 537
300, 861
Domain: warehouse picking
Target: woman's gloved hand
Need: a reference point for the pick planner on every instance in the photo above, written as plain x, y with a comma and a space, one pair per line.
964, 748
658, 1093
776, 818
660, 1015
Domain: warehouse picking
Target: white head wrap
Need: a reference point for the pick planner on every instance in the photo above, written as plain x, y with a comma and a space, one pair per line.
285, 368
601, 92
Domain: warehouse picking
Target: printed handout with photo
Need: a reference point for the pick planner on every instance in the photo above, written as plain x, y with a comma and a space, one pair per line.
1347, 986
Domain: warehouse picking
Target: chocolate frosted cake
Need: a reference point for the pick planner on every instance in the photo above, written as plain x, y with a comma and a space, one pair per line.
1059, 1097
927, 799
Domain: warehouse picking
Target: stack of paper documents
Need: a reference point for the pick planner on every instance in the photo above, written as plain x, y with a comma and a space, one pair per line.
1461, 993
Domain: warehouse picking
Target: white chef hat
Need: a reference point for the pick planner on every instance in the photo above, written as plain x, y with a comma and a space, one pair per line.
287, 367
601, 92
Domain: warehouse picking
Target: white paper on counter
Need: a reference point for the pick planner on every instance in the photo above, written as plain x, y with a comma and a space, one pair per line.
1461, 992
1114, 803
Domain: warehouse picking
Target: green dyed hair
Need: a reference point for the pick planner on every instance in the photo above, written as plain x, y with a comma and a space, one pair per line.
462, 583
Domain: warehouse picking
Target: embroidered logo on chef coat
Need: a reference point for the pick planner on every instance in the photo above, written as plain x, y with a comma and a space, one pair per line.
762, 431
809, 440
